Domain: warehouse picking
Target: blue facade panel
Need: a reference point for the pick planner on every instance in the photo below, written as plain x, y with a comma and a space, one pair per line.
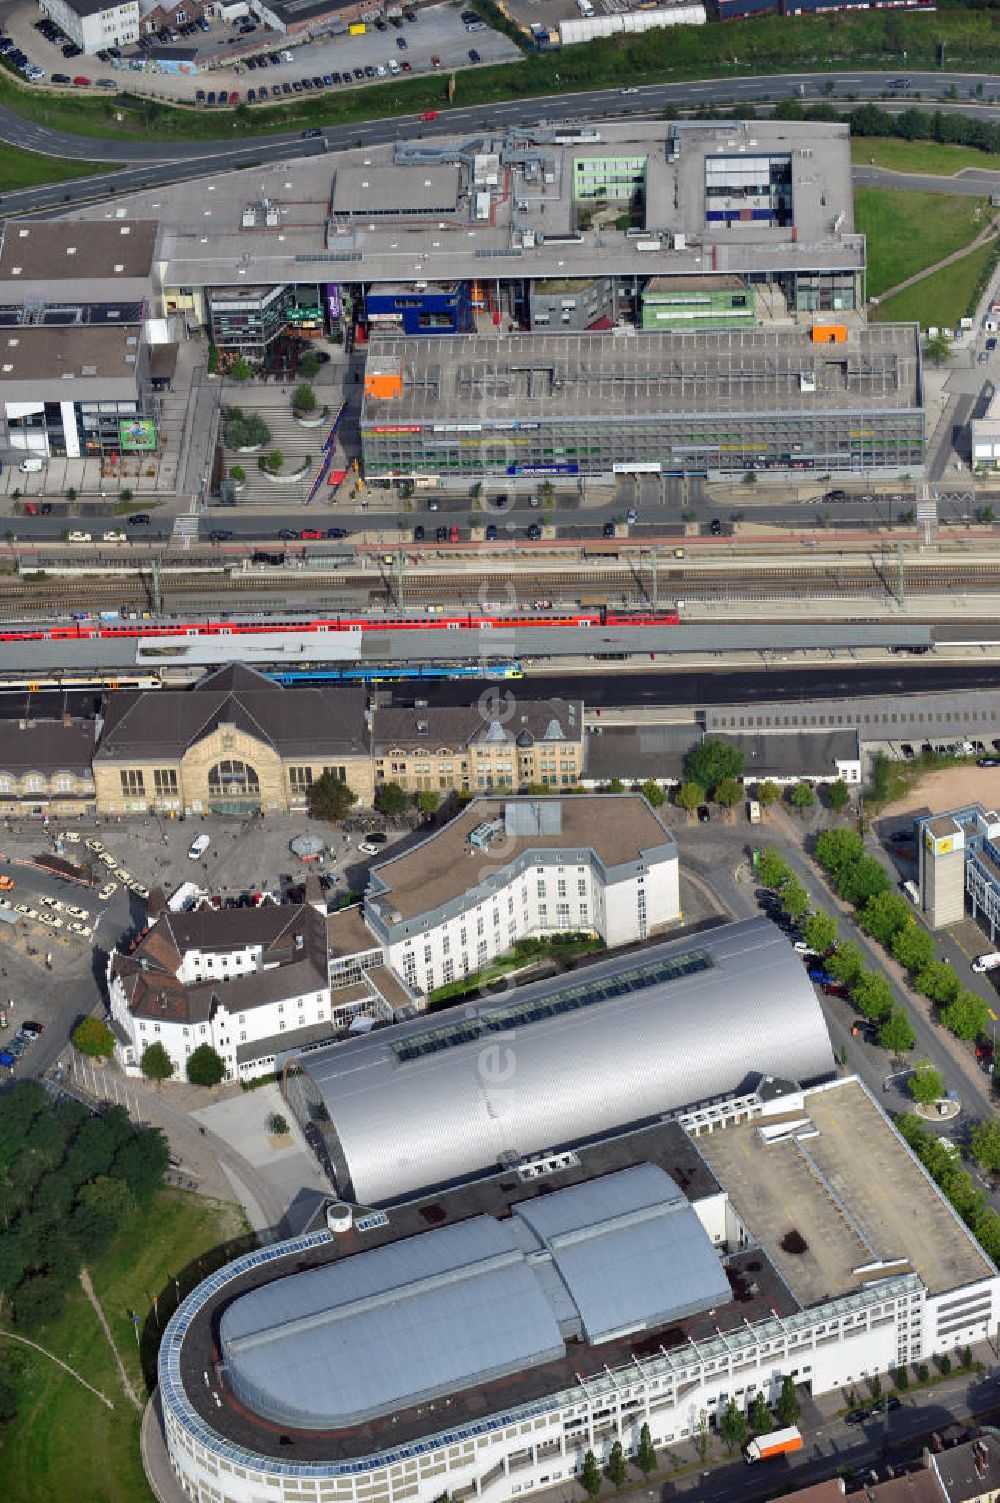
734, 10
424, 310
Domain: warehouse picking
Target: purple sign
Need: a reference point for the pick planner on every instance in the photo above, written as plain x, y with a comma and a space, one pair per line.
334, 306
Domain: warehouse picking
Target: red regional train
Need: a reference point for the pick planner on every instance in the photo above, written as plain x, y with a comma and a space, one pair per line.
70, 631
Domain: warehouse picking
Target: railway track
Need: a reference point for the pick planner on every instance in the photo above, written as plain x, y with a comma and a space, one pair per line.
633, 584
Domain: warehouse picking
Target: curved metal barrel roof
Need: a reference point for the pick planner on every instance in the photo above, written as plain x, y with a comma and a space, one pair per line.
632, 1037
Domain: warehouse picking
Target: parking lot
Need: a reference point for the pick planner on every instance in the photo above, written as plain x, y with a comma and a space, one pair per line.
436, 40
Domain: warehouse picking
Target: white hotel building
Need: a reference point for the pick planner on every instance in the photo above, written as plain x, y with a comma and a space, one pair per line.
506, 869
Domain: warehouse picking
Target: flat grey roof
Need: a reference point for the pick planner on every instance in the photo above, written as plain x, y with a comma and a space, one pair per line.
80, 352
853, 1194
61, 250
401, 190
204, 242
488, 379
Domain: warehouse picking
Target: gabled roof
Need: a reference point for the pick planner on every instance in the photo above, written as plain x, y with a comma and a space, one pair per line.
292, 937
442, 729
307, 722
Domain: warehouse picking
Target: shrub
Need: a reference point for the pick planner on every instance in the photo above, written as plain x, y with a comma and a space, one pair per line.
238, 474
944, 1363
277, 1124
124, 494
304, 398
923, 1372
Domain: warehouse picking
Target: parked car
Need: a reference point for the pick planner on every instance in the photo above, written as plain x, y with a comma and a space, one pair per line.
428, 115
533, 532
221, 535
418, 534
491, 532
198, 847
310, 534
704, 814
138, 519
337, 532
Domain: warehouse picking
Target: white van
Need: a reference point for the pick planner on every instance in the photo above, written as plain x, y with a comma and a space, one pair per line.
198, 847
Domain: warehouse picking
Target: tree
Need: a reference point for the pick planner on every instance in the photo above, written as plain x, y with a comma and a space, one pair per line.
937, 347
876, 1387
820, 931
938, 982
101, 1210
913, 947
689, 795
309, 365
944, 1363
760, 1414
304, 398
768, 793
272, 461
712, 761
240, 370
794, 898
37, 1301
205, 1067
967, 1016
923, 1372
838, 850
773, 870
901, 1378
872, 995
984, 1144
925, 1084
653, 794
789, 1408
617, 1465
590, 1476
645, 1456
428, 802
8, 1402
863, 881
277, 1124
238, 474
156, 1063
733, 1426
896, 1033
729, 793
330, 798
883, 915
142, 1163
390, 800
94, 1038
802, 797
838, 796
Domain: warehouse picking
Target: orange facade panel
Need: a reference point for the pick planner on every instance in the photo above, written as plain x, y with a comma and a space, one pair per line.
829, 333
384, 379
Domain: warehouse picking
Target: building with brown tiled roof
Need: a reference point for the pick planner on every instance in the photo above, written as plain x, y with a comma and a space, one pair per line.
236, 743
248, 981
510, 746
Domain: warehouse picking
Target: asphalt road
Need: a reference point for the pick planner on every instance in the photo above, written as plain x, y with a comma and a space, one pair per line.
157, 161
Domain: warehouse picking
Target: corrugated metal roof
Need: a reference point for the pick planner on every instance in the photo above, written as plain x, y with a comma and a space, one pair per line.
414, 1320
445, 1114
393, 1326
630, 1250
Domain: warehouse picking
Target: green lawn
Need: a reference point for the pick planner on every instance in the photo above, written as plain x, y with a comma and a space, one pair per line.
942, 298
27, 169
918, 156
910, 231
65, 1446
770, 44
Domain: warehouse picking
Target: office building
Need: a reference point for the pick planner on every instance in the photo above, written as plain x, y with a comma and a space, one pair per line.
95, 24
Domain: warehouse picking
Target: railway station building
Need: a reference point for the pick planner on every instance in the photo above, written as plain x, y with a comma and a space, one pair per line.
510, 745
236, 743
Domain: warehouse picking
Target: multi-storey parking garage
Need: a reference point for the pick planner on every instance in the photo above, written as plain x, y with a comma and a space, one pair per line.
716, 402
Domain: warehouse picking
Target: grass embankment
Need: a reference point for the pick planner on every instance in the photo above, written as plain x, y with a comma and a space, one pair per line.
941, 299
28, 169
875, 40
910, 231
65, 1444
919, 156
